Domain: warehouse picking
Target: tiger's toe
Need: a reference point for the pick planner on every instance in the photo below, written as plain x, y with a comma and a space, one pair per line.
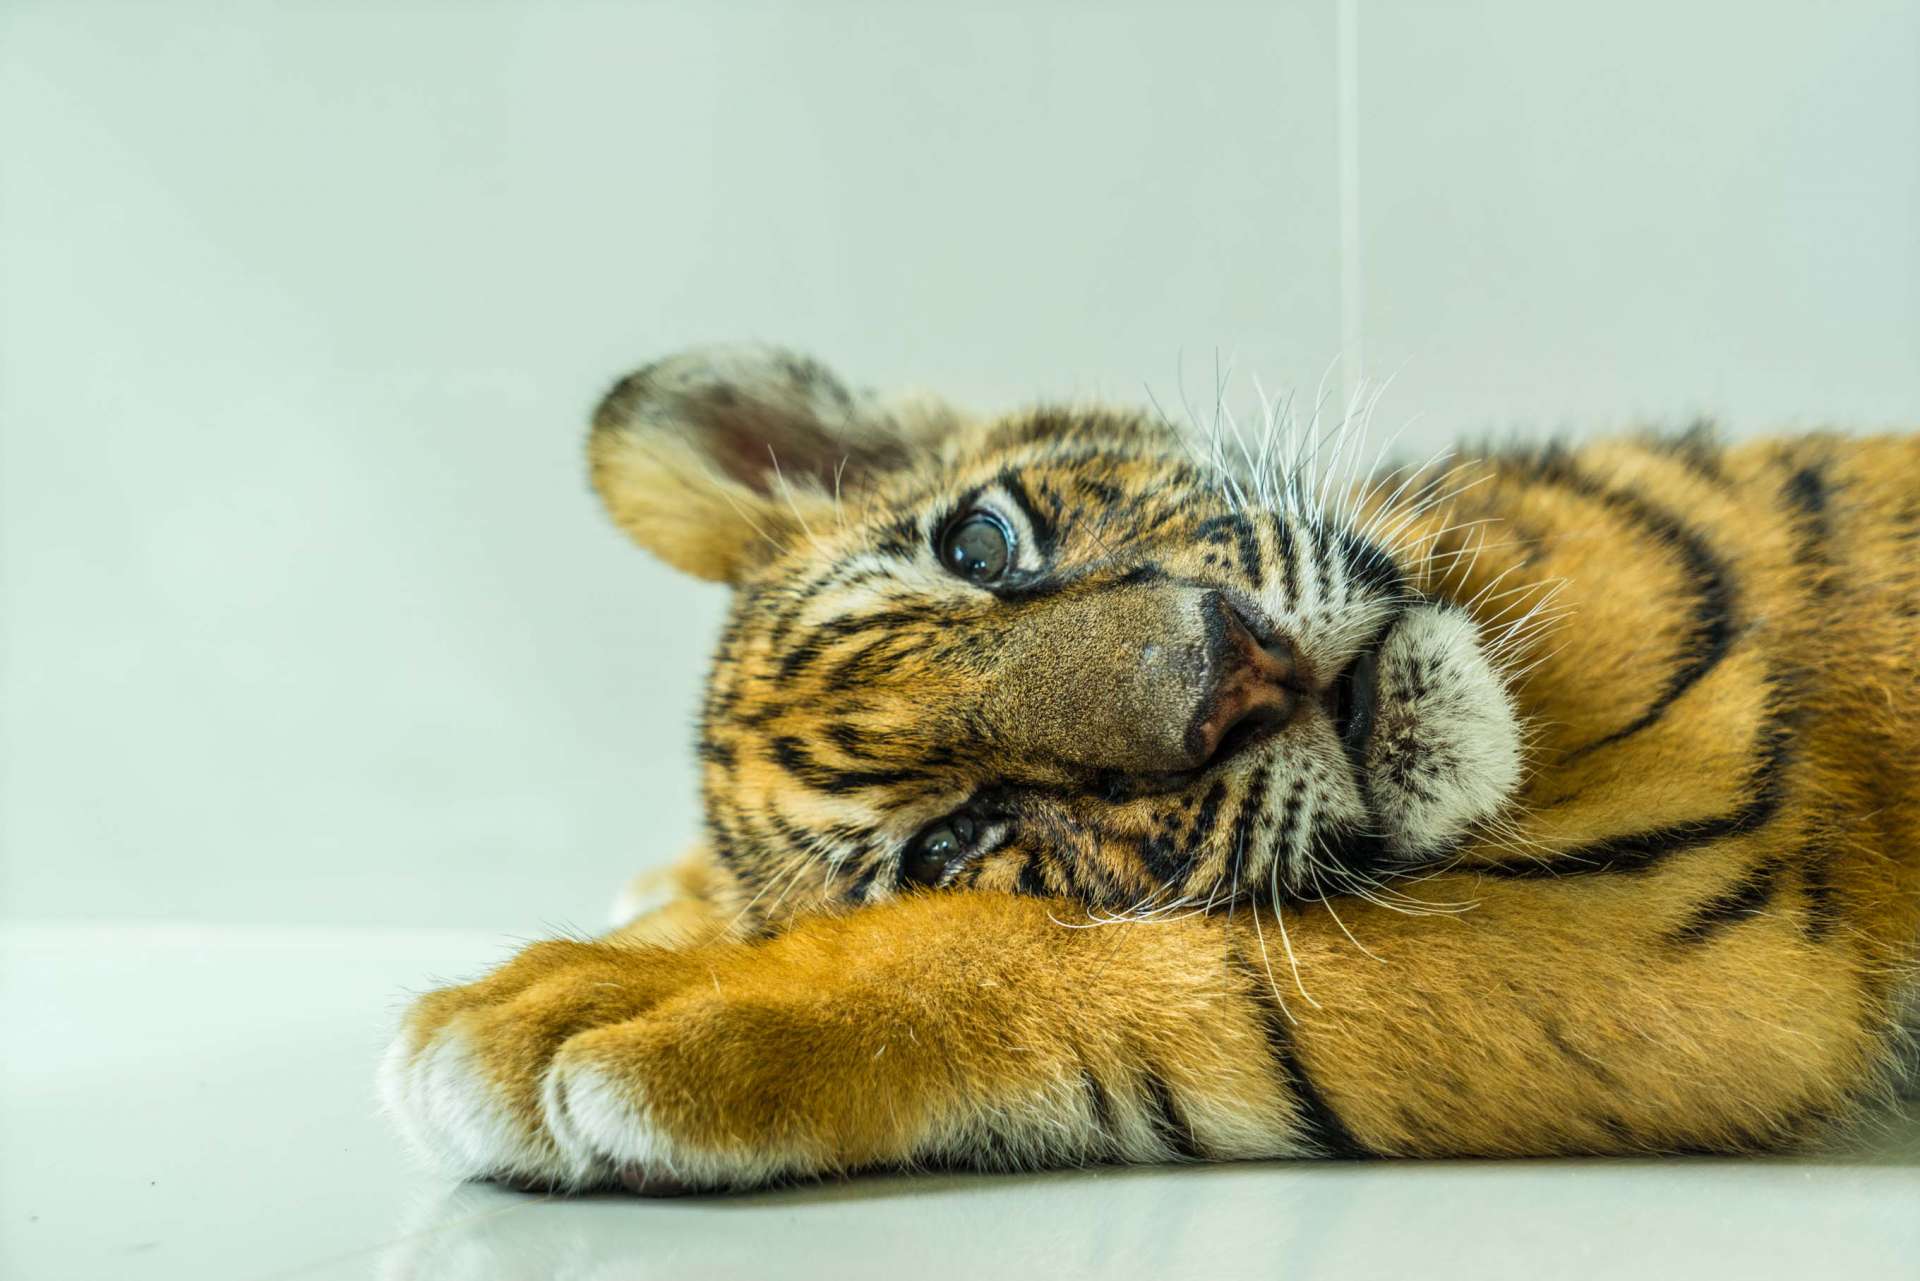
457, 1115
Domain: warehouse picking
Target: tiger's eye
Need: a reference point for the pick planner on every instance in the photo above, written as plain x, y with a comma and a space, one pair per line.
936, 849
977, 547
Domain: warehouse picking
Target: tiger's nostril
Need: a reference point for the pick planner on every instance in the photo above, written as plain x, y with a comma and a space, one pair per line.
1280, 653
1256, 689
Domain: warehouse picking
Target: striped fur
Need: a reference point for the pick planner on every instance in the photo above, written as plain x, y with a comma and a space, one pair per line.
1630, 862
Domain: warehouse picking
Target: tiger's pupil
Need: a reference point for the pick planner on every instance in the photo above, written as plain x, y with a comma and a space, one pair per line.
936, 849
978, 547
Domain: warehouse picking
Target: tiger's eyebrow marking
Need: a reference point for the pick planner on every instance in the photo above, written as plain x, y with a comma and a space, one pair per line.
1014, 484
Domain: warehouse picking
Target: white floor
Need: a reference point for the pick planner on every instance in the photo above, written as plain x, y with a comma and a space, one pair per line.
196, 1103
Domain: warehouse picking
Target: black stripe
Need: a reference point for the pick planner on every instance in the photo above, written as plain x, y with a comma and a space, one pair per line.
1235, 528
1040, 522
1746, 899
1907, 521
1320, 554
1247, 541
1641, 851
1369, 566
1208, 814
1214, 529
1806, 490
764, 714
1244, 823
811, 646
794, 838
1824, 910
1698, 449
1033, 880
726, 851
848, 738
881, 651
786, 602
1169, 1126
1809, 494
1712, 633
1289, 571
1141, 575
857, 888
1161, 858
791, 755
1319, 1126
1100, 1105
1550, 1028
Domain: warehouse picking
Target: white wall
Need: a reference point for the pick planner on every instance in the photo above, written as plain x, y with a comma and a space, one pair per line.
305, 610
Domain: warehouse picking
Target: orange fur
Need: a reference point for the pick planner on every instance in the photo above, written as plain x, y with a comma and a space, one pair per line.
1734, 986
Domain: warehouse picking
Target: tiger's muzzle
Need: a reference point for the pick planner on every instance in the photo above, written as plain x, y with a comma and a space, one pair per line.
1146, 680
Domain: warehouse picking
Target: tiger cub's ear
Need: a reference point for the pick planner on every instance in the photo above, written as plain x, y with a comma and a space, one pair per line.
717, 458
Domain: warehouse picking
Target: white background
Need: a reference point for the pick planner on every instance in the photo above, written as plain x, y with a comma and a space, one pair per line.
306, 612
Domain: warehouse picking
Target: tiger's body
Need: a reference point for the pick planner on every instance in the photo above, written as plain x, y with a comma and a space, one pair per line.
1074, 801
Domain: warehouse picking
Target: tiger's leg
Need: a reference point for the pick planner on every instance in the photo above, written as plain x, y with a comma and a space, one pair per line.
1560, 1016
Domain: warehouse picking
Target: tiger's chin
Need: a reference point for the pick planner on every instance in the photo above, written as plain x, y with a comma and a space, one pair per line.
1443, 751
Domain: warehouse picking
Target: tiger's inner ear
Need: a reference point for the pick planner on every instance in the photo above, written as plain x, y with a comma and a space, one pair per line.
718, 458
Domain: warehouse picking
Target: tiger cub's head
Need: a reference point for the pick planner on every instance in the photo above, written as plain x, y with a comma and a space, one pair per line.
1054, 653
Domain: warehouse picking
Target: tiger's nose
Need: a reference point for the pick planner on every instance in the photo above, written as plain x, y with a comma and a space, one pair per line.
1254, 686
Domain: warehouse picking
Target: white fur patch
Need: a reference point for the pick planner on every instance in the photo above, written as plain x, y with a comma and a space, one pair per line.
454, 1116
605, 1125
1445, 751
591, 1130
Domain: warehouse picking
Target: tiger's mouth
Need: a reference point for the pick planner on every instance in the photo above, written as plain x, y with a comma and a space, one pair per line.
1246, 735
1352, 700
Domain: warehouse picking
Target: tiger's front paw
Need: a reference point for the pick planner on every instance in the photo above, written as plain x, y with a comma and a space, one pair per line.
489, 1079
591, 1065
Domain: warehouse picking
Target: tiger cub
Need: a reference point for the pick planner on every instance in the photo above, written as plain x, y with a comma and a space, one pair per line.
1079, 790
